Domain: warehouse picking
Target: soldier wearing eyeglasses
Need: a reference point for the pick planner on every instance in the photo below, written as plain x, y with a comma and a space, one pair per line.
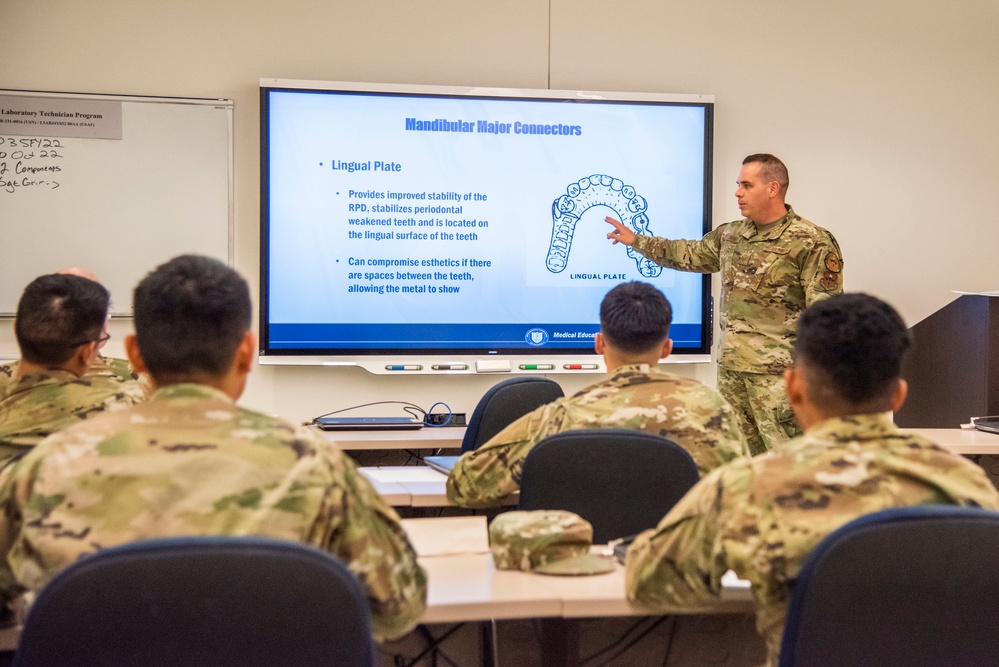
60, 328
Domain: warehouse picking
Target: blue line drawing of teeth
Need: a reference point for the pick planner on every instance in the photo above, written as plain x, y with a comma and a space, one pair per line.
597, 190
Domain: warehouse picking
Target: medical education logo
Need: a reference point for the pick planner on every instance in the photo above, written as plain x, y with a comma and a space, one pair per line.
536, 337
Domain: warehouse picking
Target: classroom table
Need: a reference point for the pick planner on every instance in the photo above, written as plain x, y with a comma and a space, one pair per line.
414, 486
420, 486
443, 437
468, 587
957, 440
464, 585
966, 441
9, 637
408, 486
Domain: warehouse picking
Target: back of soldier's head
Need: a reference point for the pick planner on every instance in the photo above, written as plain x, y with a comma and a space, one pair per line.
635, 317
191, 314
58, 313
851, 347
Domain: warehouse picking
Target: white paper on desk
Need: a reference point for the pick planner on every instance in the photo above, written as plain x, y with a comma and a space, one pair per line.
448, 535
401, 474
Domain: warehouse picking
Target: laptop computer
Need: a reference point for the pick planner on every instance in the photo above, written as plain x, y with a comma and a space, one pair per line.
368, 424
620, 547
442, 464
989, 424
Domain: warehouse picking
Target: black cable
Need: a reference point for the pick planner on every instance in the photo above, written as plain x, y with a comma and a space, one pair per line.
669, 642
637, 639
615, 643
412, 409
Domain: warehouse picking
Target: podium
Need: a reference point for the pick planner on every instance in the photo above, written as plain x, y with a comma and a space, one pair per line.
953, 367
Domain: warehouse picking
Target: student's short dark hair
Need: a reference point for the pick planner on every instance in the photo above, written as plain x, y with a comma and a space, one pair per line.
635, 317
56, 314
191, 314
857, 343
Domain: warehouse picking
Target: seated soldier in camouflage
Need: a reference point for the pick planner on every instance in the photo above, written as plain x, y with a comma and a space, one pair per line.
102, 367
762, 516
634, 335
190, 462
60, 329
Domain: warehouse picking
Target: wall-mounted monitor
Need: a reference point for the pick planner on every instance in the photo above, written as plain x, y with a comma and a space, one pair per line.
439, 229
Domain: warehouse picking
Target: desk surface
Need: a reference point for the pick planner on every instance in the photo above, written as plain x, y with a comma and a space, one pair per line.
958, 440
413, 486
444, 437
961, 440
409, 486
468, 587
419, 486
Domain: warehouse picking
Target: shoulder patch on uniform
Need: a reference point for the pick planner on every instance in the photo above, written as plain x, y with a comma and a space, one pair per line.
833, 263
830, 280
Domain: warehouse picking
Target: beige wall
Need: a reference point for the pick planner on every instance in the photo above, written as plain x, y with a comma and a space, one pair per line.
883, 111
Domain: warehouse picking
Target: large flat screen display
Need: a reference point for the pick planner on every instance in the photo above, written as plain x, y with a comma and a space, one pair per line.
403, 225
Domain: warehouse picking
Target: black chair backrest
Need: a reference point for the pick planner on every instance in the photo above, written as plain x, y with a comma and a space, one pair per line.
200, 601
506, 402
908, 586
621, 481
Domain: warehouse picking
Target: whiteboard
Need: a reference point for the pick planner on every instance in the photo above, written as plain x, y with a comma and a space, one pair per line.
117, 207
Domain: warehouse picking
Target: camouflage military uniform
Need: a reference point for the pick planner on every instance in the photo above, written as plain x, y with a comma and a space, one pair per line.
112, 367
769, 275
109, 367
39, 404
189, 462
636, 397
6, 376
762, 516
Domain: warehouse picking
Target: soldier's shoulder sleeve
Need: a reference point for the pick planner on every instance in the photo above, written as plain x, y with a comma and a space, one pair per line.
17, 479
731, 440
681, 561
364, 531
6, 377
487, 475
821, 265
700, 256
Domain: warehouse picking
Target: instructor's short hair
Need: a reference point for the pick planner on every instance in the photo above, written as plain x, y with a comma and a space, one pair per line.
191, 314
635, 317
856, 343
56, 314
771, 169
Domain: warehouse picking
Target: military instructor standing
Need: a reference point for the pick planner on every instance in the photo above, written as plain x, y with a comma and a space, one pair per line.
773, 264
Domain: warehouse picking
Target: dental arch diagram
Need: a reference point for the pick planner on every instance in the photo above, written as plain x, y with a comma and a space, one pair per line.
597, 190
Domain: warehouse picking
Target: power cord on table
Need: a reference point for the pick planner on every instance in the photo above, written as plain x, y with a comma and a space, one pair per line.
428, 417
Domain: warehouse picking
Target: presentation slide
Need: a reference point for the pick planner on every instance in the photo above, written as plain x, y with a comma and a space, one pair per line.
422, 222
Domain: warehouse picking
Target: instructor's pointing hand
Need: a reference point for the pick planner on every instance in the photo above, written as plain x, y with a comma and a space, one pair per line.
621, 234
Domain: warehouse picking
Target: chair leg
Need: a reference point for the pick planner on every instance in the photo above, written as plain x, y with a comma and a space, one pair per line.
490, 651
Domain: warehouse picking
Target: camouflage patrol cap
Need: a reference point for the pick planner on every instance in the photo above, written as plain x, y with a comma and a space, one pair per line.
546, 542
